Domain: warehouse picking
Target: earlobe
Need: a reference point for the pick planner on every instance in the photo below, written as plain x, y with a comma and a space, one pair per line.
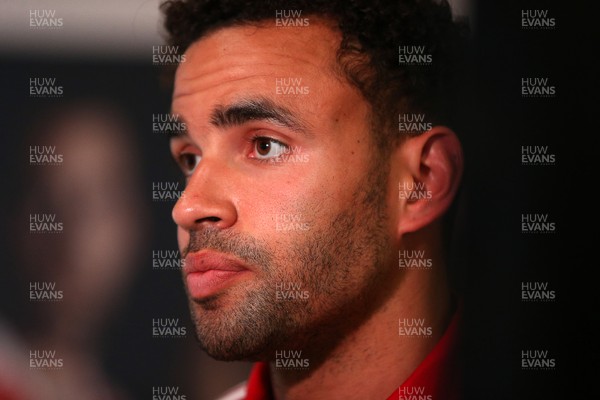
433, 163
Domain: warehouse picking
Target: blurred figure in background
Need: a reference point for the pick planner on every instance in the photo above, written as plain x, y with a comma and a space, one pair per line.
79, 269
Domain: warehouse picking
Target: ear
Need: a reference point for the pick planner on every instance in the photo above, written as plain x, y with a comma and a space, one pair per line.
429, 170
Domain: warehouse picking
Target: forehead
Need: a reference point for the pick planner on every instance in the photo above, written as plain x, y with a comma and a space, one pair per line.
259, 51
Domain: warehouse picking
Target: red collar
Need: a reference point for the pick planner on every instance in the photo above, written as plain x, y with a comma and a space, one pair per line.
259, 383
437, 377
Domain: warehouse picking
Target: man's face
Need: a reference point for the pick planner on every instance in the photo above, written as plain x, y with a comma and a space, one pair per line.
283, 197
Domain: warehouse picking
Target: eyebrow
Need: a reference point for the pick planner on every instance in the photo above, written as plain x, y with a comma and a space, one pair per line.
258, 109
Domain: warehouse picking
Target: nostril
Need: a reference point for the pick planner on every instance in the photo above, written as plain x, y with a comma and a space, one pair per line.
209, 219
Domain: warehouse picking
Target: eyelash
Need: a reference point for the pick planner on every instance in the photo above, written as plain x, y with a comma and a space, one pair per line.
252, 140
181, 162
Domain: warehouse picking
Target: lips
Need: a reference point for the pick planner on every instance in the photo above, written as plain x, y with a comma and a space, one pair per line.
209, 272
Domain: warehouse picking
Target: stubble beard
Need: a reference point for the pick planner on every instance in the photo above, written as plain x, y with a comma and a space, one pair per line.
339, 265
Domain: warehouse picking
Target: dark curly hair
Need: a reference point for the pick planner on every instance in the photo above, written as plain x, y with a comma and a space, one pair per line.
372, 31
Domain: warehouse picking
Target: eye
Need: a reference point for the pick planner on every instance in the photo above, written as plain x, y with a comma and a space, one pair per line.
266, 148
188, 163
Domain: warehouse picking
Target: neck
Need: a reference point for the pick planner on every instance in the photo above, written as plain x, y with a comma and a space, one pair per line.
376, 357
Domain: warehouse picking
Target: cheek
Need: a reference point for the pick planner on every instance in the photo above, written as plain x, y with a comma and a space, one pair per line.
293, 200
286, 207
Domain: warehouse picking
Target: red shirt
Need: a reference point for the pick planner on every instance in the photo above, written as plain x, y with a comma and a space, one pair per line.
438, 377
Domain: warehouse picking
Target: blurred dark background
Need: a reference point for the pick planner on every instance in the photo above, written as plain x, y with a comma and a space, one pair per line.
493, 256
132, 93
499, 190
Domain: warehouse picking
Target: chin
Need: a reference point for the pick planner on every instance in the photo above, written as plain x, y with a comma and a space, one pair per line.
231, 350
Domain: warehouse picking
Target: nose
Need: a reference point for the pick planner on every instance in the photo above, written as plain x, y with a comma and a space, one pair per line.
207, 199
